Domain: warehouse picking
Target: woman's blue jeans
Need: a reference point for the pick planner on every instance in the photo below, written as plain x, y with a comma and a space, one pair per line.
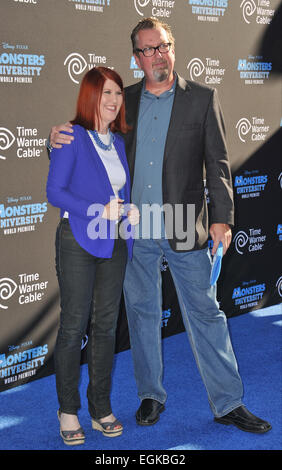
90, 292
205, 324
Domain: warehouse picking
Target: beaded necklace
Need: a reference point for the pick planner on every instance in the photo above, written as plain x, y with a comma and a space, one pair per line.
99, 141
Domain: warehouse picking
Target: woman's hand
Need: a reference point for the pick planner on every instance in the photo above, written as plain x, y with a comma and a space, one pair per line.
133, 215
113, 210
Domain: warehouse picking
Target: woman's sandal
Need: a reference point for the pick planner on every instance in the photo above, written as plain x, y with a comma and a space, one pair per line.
108, 428
69, 436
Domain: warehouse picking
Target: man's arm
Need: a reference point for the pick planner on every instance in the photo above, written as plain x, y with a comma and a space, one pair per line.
219, 181
57, 137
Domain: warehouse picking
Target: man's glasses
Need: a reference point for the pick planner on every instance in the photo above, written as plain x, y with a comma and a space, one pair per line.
150, 51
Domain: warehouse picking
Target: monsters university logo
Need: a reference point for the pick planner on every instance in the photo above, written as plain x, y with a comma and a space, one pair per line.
137, 72
91, 5
208, 10
250, 184
248, 295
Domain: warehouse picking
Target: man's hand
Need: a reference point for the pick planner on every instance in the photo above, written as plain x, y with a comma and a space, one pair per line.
56, 138
220, 233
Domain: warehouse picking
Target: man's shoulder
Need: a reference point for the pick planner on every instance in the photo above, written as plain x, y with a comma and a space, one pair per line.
134, 88
183, 83
194, 86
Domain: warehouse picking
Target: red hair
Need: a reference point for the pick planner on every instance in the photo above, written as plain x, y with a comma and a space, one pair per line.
89, 98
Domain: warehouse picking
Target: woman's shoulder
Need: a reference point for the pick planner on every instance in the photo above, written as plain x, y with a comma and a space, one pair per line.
79, 130
79, 133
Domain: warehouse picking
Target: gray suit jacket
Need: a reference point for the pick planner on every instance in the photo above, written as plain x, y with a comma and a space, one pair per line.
195, 151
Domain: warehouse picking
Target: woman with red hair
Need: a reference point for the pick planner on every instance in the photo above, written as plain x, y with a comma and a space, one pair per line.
91, 178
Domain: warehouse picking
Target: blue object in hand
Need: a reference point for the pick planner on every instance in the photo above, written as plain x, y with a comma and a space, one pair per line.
216, 264
121, 193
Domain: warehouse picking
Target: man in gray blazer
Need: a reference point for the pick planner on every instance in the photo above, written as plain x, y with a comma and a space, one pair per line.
177, 140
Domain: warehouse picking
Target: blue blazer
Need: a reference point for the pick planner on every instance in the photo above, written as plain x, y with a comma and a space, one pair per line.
77, 179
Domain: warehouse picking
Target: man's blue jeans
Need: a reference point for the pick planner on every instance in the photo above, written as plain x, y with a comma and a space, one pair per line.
205, 324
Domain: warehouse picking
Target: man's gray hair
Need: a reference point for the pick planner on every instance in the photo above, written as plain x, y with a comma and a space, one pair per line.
150, 23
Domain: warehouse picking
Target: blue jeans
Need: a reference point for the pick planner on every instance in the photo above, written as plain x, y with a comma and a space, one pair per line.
205, 324
90, 292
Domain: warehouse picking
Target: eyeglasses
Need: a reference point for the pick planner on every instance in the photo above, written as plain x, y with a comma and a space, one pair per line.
150, 51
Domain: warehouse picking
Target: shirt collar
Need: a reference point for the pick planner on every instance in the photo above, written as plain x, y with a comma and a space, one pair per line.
165, 94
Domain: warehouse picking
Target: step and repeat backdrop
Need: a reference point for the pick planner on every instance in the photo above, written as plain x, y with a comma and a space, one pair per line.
46, 47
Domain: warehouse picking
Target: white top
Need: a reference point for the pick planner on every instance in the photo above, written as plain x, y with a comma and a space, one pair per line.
112, 164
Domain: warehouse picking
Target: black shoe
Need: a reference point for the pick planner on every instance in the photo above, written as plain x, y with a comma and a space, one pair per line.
149, 412
245, 420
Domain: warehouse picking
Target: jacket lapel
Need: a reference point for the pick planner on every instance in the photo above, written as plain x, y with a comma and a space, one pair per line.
179, 110
98, 164
132, 103
178, 113
122, 156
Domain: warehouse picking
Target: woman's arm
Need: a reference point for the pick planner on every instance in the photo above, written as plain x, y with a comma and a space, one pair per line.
62, 164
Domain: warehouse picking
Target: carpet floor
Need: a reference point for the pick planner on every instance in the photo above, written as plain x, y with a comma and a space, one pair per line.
28, 418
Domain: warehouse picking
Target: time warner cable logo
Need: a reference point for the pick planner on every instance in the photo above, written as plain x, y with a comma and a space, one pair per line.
29, 144
7, 289
209, 68
260, 10
32, 2
7, 139
254, 128
252, 242
279, 286
31, 289
139, 4
76, 64
158, 8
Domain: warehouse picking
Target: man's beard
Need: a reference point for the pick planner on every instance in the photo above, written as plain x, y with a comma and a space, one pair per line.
161, 74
